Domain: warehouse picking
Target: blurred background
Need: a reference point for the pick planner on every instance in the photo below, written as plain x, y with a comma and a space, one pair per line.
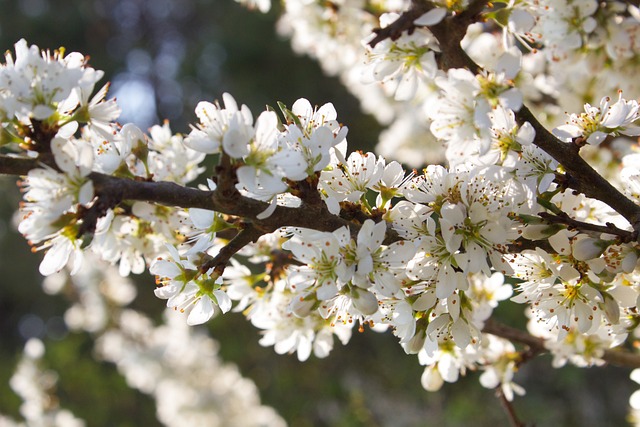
162, 57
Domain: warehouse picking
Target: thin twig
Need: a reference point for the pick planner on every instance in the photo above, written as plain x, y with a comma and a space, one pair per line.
514, 421
404, 23
247, 235
562, 218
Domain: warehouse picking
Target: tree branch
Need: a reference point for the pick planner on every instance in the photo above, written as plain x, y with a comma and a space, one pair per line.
623, 235
582, 177
404, 23
10, 165
172, 194
247, 235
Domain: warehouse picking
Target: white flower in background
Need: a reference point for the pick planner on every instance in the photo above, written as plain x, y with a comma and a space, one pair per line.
630, 176
170, 159
501, 367
634, 400
459, 117
371, 264
262, 5
312, 132
36, 83
409, 141
596, 123
405, 63
349, 180
186, 288
98, 113
445, 365
217, 125
564, 25
173, 363
323, 263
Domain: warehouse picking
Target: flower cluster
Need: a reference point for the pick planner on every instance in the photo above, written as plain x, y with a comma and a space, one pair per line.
338, 238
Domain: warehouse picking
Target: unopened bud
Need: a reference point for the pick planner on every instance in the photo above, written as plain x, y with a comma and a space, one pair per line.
431, 379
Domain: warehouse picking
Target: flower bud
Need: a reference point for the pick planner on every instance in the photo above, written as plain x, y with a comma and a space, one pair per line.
431, 379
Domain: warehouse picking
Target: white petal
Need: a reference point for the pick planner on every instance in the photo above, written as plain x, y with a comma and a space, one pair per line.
509, 63
230, 103
489, 379
526, 134
461, 334
201, 218
167, 291
56, 257
432, 17
333, 205
453, 305
235, 143
269, 211
224, 302
201, 311
448, 368
566, 133
85, 195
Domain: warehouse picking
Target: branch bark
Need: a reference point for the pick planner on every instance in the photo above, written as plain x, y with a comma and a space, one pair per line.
172, 194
